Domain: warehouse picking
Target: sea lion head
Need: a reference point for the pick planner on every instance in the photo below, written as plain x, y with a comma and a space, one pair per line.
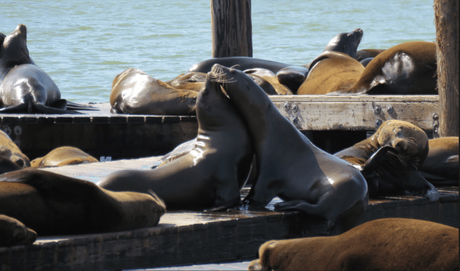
410, 141
13, 50
346, 42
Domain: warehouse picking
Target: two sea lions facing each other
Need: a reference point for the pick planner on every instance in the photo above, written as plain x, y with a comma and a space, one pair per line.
382, 244
15, 233
63, 156
24, 87
390, 158
53, 204
210, 174
289, 165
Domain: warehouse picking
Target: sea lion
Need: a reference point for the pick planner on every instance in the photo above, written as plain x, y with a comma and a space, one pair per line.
211, 174
390, 158
366, 53
331, 72
24, 87
366, 61
405, 69
63, 156
135, 92
292, 77
271, 78
441, 165
54, 204
239, 62
346, 43
382, 244
14, 233
11, 151
188, 81
289, 165
264, 84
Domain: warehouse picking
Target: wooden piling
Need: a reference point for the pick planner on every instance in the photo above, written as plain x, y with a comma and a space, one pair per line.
231, 28
447, 43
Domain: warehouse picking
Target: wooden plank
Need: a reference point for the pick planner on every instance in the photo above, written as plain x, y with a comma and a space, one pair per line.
354, 113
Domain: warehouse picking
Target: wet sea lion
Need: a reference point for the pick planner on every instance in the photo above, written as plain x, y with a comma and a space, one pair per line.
292, 77
390, 158
346, 43
240, 63
382, 244
24, 87
188, 81
135, 92
289, 165
11, 151
405, 69
441, 165
271, 78
366, 53
63, 156
331, 72
366, 61
211, 174
53, 204
14, 233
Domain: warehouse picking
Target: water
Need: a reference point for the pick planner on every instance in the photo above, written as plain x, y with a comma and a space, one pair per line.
84, 44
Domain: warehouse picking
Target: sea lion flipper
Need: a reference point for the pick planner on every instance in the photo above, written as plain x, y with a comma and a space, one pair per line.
41, 108
14, 108
376, 160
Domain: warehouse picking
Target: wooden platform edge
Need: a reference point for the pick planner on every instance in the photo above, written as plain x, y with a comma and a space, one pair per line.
214, 241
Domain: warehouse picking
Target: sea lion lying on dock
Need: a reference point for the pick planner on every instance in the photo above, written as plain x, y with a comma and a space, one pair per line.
14, 233
290, 166
63, 156
9, 150
53, 204
390, 158
211, 174
24, 87
382, 244
238, 62
135, 92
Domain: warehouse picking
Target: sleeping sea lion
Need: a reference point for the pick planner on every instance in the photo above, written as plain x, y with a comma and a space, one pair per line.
24, 87
382, 244
63, 156
289, 165
390, 158
292, 77
11, 151
271, 78
14, 233
211, 174
239, 62
135, 92
331, 72
188, 81
53, 204
405, 69
441, 165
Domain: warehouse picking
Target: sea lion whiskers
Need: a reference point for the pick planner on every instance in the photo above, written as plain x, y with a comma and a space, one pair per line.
218, 75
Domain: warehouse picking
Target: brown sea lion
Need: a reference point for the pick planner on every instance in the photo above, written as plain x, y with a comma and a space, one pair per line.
441, 165
271, 78
289, 165
407, 68
54, 204
211, 174
135, 92
188, 81
63, 156
24, 87
331, 72
382, 244
238, 62
390, 158
366, 53
14, 233
11, 151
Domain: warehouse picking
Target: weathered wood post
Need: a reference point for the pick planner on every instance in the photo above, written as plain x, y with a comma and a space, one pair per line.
231, 28
447, 43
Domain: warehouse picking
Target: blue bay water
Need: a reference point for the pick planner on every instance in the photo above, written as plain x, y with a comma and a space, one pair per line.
84, 44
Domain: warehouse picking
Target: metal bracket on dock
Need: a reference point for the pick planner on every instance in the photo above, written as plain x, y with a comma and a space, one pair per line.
435, 125
294, 114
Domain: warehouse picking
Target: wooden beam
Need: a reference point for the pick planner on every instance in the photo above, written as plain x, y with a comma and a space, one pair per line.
447, 43
231, 28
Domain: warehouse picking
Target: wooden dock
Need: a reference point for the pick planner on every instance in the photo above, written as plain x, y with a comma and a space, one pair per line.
186, 238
